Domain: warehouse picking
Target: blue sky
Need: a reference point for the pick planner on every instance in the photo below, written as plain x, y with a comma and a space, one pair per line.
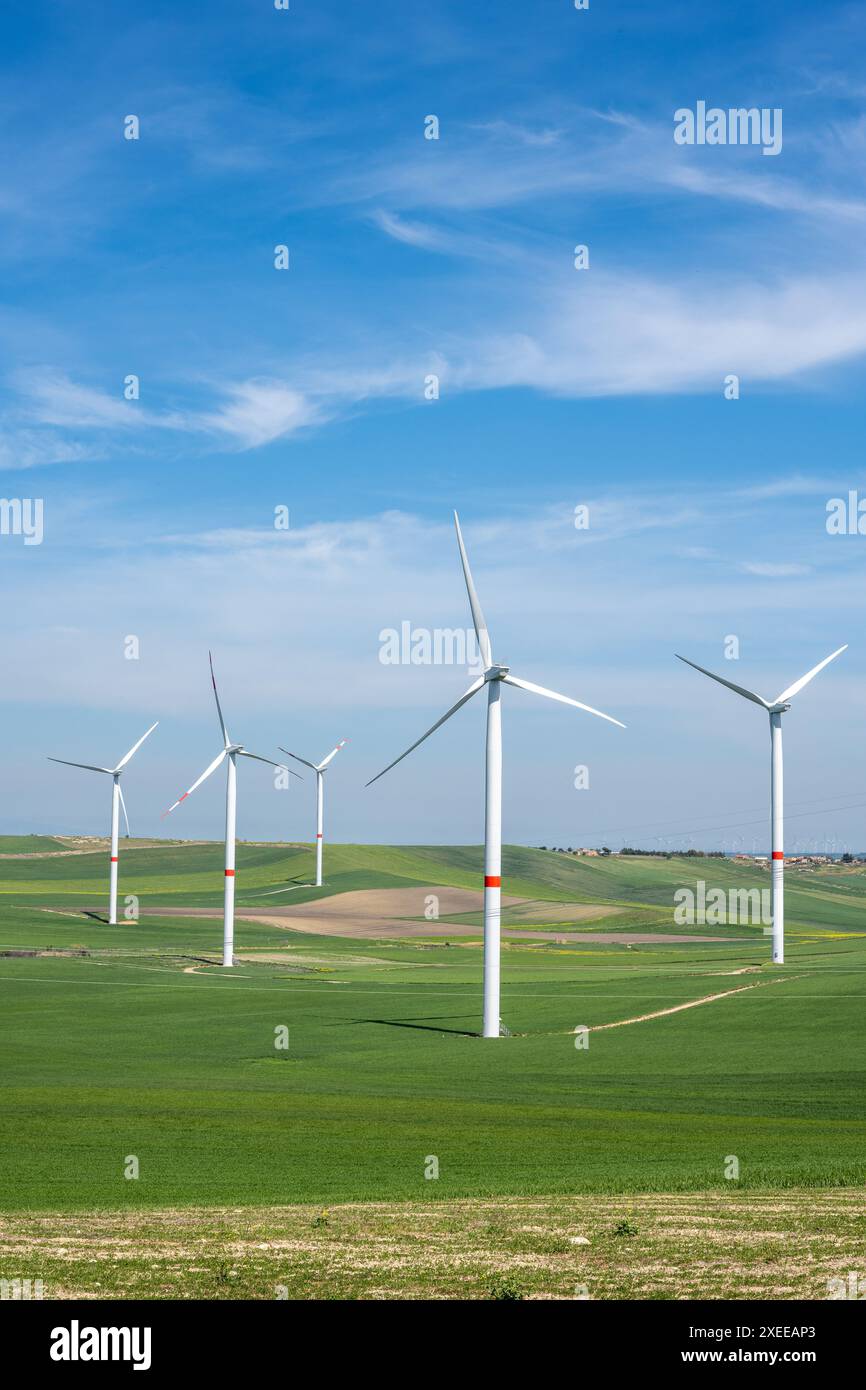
305, 388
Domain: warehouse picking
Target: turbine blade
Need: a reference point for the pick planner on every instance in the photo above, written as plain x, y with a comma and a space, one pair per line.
333, 753
804, 680
748, 694
123, 804
297, 759
477, 616
565, 699
226, 739
134, 749
212, 767
242, 752
88, 766
474, 687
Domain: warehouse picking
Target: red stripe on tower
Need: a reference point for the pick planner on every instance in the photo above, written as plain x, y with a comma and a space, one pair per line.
492, 881
777, 854
319, 836
114, 858
230, 873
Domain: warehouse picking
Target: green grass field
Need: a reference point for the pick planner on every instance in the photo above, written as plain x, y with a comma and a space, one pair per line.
30, 844
138, 1047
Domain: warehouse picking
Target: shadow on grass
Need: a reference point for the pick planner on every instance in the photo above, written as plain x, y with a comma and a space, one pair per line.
423, 1027
288, 887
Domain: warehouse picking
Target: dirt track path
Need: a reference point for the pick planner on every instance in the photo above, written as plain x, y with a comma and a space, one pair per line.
692, 1004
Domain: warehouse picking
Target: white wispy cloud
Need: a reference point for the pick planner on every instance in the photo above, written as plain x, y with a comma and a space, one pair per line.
499, 165
536, 137
581, 335
257, 412
23, 448
767, 570
51, 397
598, 334
245, 415
410, 233
794, 486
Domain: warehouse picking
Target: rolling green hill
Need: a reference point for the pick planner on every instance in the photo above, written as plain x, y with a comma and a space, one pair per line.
30, 844
832, 898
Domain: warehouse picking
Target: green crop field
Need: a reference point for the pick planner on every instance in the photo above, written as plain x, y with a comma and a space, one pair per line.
30, 844
128, 1048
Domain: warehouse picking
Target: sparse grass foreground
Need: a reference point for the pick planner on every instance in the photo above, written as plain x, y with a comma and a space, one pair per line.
772, 1245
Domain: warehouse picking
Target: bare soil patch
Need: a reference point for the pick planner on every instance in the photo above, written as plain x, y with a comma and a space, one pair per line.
392, 913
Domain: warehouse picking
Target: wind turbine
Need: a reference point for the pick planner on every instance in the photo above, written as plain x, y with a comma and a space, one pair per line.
775, 708
229, 751
319, 769
116, 802
494, 677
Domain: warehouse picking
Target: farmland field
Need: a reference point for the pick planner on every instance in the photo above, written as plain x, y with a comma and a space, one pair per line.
118, 1054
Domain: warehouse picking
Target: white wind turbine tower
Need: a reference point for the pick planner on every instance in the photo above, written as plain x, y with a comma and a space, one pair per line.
775, 708
116, 802
319, 769
230, 752
494, 677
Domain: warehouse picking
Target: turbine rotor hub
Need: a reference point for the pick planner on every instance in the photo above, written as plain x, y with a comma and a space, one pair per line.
496, 673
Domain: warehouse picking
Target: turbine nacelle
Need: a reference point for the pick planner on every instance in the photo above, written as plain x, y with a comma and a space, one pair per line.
229, 750
493, 670
113, 772
782, 702
316, 767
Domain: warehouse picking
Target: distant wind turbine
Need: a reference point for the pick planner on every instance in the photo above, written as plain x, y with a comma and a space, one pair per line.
116, 802
319, 769
775, 708
494, 677
230, 751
